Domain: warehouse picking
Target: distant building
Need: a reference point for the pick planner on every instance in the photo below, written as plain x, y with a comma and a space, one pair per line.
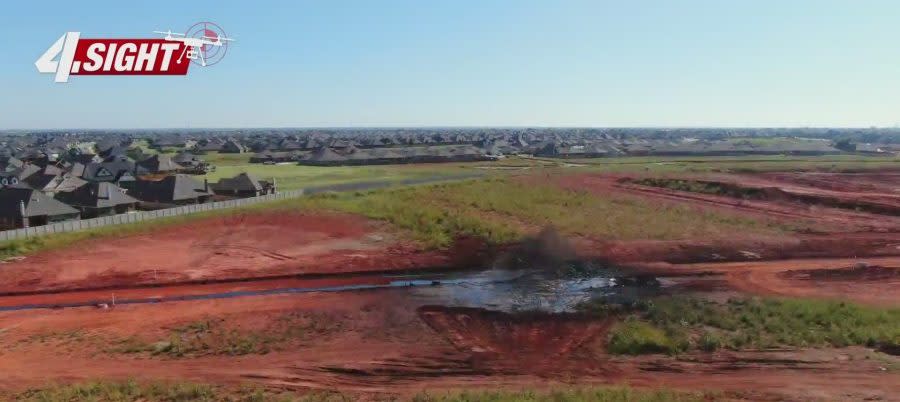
233, 147
276, 157
192, 164
243, 185
211, 145
325, 156
159, 163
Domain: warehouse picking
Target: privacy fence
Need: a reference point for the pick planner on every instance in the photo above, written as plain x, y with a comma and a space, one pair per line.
73, 226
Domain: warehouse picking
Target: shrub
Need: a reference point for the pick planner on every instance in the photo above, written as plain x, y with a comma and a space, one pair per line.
634, 337
675, 324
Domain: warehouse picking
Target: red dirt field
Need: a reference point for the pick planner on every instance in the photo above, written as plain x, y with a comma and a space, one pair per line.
386, 342
875, 281
830, 219
219, 249
835, 232
844, 240
379, 344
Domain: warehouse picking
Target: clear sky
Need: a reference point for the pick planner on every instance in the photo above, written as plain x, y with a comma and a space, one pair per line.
473, 63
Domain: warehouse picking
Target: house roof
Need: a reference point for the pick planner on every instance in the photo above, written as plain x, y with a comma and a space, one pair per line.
77, 169
110, 171
325, 154
36, 203
10, 162
96, 195
26, 171
52, 170
69, 182
44, 182
170, 189
159, 163
241, 182
186, 157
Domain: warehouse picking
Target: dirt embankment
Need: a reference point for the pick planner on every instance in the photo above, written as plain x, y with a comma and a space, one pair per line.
222, 249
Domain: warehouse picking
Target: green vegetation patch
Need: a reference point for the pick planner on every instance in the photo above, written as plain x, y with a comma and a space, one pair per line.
215, 337
291, 176
598, 394
503, 209
677, 324
129, 391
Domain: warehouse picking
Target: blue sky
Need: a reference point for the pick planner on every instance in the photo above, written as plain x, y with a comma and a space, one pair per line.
473, 63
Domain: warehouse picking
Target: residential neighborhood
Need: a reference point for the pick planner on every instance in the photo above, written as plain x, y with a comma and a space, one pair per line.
63, 181
55, 176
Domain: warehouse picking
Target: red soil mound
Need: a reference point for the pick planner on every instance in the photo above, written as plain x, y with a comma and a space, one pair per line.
532, 341
251, 245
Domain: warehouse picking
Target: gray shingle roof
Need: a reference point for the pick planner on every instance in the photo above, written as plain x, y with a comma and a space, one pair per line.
96, 195
36, 203
170, 189
241, 182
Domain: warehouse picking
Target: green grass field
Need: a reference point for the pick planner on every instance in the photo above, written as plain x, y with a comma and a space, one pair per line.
291, 176
212, 336
130, 391
503, 209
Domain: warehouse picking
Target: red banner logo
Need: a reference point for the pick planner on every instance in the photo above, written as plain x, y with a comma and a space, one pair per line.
204, 43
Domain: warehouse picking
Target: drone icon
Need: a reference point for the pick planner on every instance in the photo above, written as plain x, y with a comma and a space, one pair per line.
204, 41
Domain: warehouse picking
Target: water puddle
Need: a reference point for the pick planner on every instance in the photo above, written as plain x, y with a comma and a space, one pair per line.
531, 290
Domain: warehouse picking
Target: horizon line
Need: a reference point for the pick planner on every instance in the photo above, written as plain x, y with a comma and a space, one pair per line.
698, 127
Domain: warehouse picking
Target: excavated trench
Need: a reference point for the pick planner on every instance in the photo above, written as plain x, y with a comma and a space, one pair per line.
555, 289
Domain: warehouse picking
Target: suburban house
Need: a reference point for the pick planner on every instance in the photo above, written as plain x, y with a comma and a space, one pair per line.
117, 172
243, 185
233, 147
177, 189
350, 155
159, 164
189, 160
98, 199
173, 142
22, 207
211, 145
555, 150
276, 157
